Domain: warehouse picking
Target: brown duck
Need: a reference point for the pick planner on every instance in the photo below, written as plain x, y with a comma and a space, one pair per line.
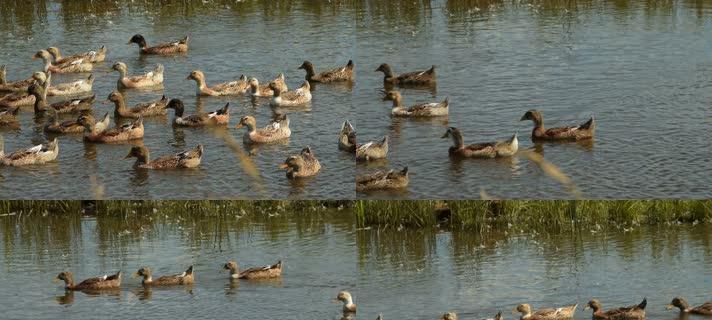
171, 280
97, 283
146, 109
546, 313
8, 118
217, 117
160, 49
580, 132
348, 302
126, 132
681, 303
636, 312
186, 159
480, 150
68, 106
347, 137
264, 272
381, 180
305, 164
339, 74
417, 78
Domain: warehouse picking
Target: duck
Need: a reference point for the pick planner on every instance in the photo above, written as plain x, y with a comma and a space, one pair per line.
449, 316
257, 90
381, 180
348, 302
372, 150
636, 312
276, 131
169, 48
92, 56
150, 79
305, 164
681, 303
177, 279
73, 88
583, 131
494, 149
186, 159
123, 133
432, 109
39, 154
217, 117
256, 273
339, 74
17, 86
96, 283
417, 78
69, 126
94, 126
145, 109
545, 314
347, 137
232, 88
20, 98
295, 98
8, 118
68, 106
81, 65
498, 316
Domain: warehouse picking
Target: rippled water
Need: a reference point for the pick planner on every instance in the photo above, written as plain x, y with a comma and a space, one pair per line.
642, 67
403, 274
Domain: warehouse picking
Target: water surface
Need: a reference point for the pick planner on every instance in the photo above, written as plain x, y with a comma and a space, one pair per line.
642, 67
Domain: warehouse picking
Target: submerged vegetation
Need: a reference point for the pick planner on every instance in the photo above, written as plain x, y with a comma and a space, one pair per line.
475, 215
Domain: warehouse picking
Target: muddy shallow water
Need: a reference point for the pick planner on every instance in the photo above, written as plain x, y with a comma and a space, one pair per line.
641, 67
404, 274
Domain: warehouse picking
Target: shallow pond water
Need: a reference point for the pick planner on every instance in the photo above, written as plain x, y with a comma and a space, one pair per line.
404, 274
642, 67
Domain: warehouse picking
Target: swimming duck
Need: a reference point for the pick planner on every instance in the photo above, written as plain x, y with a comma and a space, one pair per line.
88, 121
97, 283
8, 118
431, 109
217, 117
237, 87
480, 150
148, 80
417, 78
345, 73
347, 137
21, 98
92, 56
636, 312
17, 86
276, 131
72, 88
69, 126
39, 154
383, 180
295, 98
546, 313
580, 132
372, 150
176, 279
449, 316
264, 272
74, 66
186, 159
305, 164
257, 90
681, 303
68, 106
145, 109
347, 300
126, 132
160, 49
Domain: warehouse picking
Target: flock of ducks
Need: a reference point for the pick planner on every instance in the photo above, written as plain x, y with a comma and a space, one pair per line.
35, 89
111, 282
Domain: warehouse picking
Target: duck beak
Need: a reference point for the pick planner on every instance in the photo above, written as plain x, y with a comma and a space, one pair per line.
238, 126
283, 166
524, 117
56, 279
335, 301
300, 67
128, 156
129, 42
586, 307
445, 135
189, 78
135, 274
105, 102
515, 311
669, 307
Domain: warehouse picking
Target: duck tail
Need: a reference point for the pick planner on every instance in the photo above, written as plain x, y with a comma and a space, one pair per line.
199, 149
643, 303
90, 80
116, 276
431, 70
278, 265
90, 99
350, 65
184, 40
224, 109
159, 69
189, 270
138, 122
404, 171
384, 142
346, 127
15, 111
590, 124
280, 76
102, 49
446, 102
163, 98
243, 77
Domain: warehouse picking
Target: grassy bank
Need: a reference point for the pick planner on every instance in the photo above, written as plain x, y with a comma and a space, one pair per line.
476, 215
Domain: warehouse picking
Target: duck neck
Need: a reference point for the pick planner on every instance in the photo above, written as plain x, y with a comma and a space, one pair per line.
276, 92
142, 159
201, 83
234, 272
179, 111
68, 282
253, 88
396, 102
457, 140
684, 306
310, 71
251, 127
40, 103
120, 104
47, 63
387, 73
147, 279
122, 73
